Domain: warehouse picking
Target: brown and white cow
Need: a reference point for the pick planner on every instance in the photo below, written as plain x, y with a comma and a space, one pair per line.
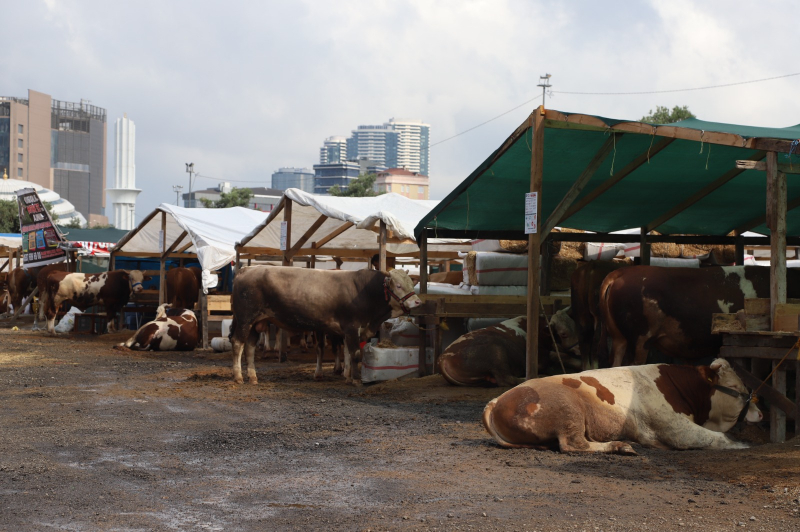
577, 327
325, 301
20, 284
174, 329
669, 309
657, 405
5, 302
492, 356
112, 289
183, 285
454, 277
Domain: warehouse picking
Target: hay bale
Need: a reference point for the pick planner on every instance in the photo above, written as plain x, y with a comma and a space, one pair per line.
561, 272
667, 250
469, 264
571, 250
514, 246
695, 250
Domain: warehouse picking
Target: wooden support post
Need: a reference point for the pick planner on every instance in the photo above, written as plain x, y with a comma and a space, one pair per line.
162, 281
312, 263
547, 268
112, 262
644, 248
423, 289
777, 417
204, 316
534, 245
287, 217
739, 250
797, 397
18, 254
382, 247
776, 222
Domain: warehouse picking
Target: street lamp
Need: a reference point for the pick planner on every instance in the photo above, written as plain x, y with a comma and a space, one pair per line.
190, 170
177, 189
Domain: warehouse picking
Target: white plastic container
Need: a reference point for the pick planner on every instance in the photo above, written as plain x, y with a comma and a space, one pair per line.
221, 344
381, 364
226, 328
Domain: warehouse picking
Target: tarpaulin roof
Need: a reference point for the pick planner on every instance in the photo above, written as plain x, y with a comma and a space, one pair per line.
399, 213
212, 234
676, 178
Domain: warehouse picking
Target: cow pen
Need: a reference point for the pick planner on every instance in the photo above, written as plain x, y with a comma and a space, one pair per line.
697, 178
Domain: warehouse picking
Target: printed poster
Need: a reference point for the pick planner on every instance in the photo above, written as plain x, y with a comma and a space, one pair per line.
40, 237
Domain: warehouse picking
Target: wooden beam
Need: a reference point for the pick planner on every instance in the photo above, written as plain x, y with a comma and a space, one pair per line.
333, 234
287, 217
172, 247
776, 221
423, 289
700, 194
644, 248
577, 187
308, 234
534, 245
382, 247
162, 282
643, 158
751, 164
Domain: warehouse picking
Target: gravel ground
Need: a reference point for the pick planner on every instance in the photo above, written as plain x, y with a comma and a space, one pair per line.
93, 438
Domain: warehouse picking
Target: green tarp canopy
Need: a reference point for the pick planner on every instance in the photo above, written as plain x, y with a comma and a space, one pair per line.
691, 186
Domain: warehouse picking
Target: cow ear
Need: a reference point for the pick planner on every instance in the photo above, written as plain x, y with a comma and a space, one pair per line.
719, 364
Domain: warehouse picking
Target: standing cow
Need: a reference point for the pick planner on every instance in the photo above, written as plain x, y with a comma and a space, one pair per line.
325, 301
20, 284
658, 405
183, 286
112, 289
669, 309
174, 329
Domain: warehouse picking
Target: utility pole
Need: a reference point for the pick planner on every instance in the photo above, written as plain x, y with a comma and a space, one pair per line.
190, 170
544, 83
177, 189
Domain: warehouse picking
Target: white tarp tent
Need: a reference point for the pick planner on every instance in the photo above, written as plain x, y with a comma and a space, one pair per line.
363, 214
211, 234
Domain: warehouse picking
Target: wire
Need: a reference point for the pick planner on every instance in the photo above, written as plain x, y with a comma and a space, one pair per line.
484, 123
680, 90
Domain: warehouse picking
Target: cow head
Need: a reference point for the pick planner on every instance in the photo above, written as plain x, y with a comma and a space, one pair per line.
136, 278
161, 312
400, 292
729, 399
565, 330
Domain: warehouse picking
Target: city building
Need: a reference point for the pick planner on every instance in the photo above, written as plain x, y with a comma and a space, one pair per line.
263, 199
328, 175
58, 145
400, 181
394, 144
333, 150
123, 195
302, 178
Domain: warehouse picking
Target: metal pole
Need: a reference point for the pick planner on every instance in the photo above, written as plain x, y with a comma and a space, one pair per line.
190, 169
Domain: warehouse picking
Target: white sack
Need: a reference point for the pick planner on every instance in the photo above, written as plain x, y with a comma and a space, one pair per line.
380, 364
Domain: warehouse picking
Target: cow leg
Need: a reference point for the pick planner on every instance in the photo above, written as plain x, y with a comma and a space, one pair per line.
238, 347
338, 348
351, 372
250, 352
283, 345
272, 338
320, 352
682, 433
569, 443
50, 314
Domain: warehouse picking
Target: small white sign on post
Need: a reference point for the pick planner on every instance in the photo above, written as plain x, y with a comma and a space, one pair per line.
161, 240
284, 230
531, 212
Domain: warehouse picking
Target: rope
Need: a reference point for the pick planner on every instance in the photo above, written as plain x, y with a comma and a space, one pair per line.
552, 336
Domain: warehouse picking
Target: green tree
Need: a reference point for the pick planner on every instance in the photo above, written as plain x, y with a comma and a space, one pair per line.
237, 197
359, 187
664, 116
9, 215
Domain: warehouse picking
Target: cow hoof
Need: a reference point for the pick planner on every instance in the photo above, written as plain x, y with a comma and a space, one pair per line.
338, 371
253, 380
317, 377
283, 358
238, 380
624, 449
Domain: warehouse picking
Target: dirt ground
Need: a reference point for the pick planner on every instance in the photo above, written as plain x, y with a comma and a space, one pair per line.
93, 438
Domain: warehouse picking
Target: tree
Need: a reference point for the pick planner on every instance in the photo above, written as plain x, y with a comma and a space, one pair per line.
359, 187
237, 197
9, 215
664, 116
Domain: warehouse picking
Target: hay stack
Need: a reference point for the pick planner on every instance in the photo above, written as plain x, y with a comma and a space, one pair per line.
571, 250
664, 249
561, 272
469, 265
514, 246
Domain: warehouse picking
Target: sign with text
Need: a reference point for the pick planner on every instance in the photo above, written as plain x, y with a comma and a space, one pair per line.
531, 212
40, 237
284, 230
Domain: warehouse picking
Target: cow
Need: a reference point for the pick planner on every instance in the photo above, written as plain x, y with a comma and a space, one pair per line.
326, 301
657, 405
5, 302
41, 274
174, 329
183, 287
669, 309
454, 277
337, 344
112, 289
20, 284
493, 356
577, 327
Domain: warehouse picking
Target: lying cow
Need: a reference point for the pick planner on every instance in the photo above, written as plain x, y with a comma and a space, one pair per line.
493, 356
454, 277
669, 309
112, 289
183, 286
657, 405
577, 327
325, 301
174, 329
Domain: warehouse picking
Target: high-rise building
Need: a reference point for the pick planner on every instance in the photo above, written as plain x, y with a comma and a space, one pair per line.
328, 175
302, 178
123, 195
333, 150
395, 144
58, 145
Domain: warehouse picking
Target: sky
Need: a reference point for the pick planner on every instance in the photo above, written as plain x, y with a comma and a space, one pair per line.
242, 88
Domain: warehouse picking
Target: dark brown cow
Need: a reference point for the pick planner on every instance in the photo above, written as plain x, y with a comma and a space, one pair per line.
657, 405
454, 278
172, 330
493, 356
112, 289
41, 274
182, 287
350, 304
669, 309
5, 300
577, 327
20, 284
